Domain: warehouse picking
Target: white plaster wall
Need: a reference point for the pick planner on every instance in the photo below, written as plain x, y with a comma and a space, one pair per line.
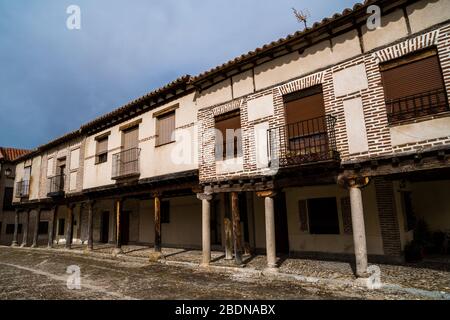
242, 84
218, 93
260, 107
261, 149
350, 80
230, 165
355, 126
346, 46
393, 27
420, 131
179, 156
424, 14
35, 178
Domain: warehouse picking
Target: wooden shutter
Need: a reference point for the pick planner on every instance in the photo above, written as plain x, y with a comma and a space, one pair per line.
303, 215
403, 78
304, 105
130, 138
102, 146
229, 121
165, 128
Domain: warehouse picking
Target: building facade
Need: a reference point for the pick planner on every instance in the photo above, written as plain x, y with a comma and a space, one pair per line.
332, 142
7, 172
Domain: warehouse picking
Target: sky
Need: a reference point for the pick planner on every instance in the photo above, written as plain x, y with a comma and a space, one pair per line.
53, 79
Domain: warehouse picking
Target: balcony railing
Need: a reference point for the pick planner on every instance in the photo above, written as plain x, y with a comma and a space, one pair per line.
56, 185
414, 106
303, 142
22, 189
126, 163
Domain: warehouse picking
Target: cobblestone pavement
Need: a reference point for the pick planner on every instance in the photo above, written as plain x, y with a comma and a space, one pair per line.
41, 274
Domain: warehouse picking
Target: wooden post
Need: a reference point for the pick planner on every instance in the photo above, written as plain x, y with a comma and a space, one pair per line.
157, 223
118, 248
236, 227
90, 245
16, 228
69, 226
228, 227
26, 228
51, 227
36, 228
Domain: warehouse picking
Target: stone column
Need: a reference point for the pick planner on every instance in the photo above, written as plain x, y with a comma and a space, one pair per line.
16, 228
26, 228
236, 227
118, 207
90, 245
157, 222
206, 227
271, 248
51, 227
36, 228
359, 232
69, 226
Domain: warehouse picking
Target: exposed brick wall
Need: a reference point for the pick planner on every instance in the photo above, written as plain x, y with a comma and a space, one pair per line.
374, 108
387, 214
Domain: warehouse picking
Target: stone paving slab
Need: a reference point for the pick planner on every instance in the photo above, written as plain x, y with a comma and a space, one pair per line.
432, 275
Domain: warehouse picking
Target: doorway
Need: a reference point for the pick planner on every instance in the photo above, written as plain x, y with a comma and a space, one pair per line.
125, 227
105, 227
281, 225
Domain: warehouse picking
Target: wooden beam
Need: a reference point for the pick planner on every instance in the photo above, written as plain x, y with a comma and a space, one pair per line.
236, 227
157, 222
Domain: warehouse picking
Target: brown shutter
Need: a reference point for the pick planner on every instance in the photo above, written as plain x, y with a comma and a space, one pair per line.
305, 108
130, 138
303, 215
346, 215
229, 121
165, 128
102, 146
412, 78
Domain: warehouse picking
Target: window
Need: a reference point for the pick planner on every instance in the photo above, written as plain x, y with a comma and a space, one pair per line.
306, 127
7, 199
414, 86
323, 216
101, 154
61, 225
165, 127
165, 211
43, 227
228, 136
10, 228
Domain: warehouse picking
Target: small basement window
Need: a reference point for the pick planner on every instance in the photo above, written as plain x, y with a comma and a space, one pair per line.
323, 216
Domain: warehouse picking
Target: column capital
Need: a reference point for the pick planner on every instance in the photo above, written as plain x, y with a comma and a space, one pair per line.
205, 196
348, 182
90, 202
156, 194
266, 193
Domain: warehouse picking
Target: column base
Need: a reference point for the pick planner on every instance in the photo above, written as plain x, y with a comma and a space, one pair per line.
34, 245
204, 265
23, 245
117, 251
271, 269
14, 244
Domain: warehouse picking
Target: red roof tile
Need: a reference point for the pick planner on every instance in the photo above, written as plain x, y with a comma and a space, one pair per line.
11, 154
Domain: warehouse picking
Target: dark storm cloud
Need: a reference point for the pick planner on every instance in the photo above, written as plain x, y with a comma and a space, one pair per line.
53, 79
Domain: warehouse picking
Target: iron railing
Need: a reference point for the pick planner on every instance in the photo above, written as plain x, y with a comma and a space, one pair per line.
303, 142
414, 106
56, 185
22, 188
126, 163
